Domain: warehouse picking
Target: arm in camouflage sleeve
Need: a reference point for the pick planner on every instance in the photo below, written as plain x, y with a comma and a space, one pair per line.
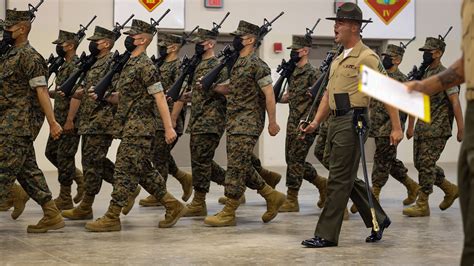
43, 98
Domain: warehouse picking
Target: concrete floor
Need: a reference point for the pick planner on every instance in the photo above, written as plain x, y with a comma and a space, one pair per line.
435, 240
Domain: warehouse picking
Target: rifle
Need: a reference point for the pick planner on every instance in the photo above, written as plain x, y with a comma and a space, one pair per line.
118, 63
230, 55
158, 62
189, 67
320, 85
286, 68
55, 63
33, 9
85, 63
4, 47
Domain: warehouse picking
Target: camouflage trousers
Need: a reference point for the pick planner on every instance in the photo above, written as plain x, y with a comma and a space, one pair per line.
240, 166
321, 152
18, 162
61, 153
426, 153
204, 168
162, 158
386, 163
296, 151
134, 167
96, 166
466, 186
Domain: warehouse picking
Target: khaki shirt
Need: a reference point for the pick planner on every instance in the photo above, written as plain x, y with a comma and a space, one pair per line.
467, 13
344, 75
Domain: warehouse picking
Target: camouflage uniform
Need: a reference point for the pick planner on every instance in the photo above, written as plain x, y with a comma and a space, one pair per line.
430, 139
320, 151
136, 123
385, 158
167, 74
96, 125
22, 70
206, 126
296, 149
245, 122
61, 153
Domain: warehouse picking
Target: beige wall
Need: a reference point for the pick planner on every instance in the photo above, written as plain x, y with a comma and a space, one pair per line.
433, 18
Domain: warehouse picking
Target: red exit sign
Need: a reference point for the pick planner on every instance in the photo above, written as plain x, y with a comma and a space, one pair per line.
214, 3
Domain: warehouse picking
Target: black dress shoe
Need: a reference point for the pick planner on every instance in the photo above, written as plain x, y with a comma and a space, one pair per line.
317, 242
376, 236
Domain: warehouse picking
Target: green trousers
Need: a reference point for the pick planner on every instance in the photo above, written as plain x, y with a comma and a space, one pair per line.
344, 151
466, 186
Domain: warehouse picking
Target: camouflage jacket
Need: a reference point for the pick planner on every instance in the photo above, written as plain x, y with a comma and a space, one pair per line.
442, 114
168, 74
246, 101
22, 70
61, 104
96, 118
207, 107
137, 115
298, 100
380, 124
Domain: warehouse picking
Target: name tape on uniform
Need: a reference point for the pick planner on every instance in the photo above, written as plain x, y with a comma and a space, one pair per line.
394, 93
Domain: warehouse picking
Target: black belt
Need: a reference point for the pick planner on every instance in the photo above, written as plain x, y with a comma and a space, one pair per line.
343, 112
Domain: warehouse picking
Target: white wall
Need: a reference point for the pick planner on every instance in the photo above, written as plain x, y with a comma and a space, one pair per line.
433, 18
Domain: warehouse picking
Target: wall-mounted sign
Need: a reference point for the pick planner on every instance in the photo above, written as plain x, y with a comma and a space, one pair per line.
174, 20
387, 10
213, 3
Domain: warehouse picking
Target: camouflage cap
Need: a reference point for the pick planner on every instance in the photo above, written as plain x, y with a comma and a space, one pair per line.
65, 36
167, 39
203, 35
300, 42
139, 27
433, 44
14, 17
101, 33
349, 11
394, 50
246, 28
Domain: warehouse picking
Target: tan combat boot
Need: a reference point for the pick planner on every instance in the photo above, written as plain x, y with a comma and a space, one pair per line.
197, 207
131, 201
186, 181
64, 200
376, 191
354, 208
52, 219
421, 207
412, 190
222, 200
174, 211
321, 183
79, 179
270, 177
81, 212
451, 193
149, 201
274, 201
108, 223
291, 202
8, 203
346, 214
226, 217
18, 199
